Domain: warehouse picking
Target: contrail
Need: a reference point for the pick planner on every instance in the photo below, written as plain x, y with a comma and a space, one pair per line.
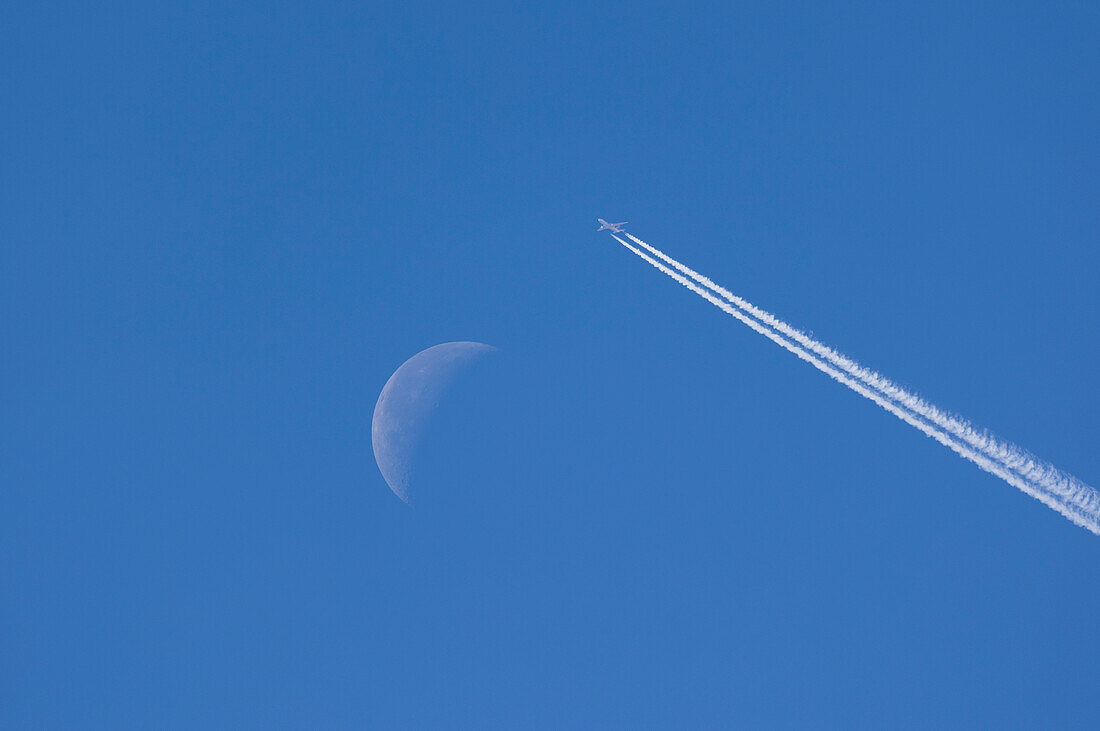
1015, 458
1085, 515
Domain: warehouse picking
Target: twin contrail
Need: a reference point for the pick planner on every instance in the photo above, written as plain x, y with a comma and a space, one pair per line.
1064, 493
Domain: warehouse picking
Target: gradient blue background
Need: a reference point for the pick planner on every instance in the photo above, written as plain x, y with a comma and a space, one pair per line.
223, 228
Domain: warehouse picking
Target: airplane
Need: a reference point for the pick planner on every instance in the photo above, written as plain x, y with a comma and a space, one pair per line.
616, 228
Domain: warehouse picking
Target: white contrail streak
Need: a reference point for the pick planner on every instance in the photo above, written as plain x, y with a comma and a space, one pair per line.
1079, 514
1048, 477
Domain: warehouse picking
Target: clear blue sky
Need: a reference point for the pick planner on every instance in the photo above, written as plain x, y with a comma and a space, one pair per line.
222, 229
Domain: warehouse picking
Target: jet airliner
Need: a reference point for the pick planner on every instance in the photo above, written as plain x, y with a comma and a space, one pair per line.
612, 227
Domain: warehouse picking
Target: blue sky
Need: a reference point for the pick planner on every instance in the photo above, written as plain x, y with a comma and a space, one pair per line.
223, 228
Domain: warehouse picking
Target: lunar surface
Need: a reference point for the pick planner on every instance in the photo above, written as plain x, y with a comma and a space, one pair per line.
407, 405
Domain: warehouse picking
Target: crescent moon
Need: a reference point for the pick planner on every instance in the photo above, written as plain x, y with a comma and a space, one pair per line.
406, 405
